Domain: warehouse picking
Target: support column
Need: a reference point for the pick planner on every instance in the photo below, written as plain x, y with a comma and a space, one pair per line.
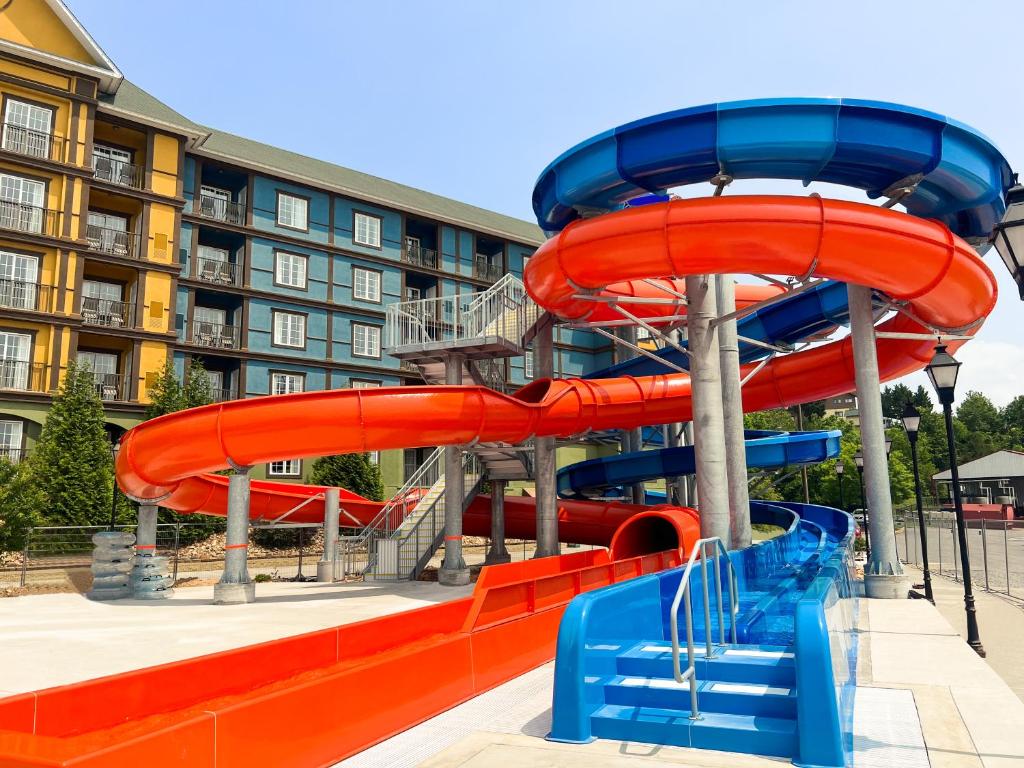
332, 504
235, 586
689, 482
454, 572
708, 422
883, 574
145, 530
632, 439
498, 553
544, 452
732, 407
149, 578
674, 437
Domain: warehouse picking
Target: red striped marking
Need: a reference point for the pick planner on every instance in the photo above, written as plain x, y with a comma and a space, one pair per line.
145, 546
236, 546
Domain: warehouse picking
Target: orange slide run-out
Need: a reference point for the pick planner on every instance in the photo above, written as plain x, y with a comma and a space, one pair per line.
935, 277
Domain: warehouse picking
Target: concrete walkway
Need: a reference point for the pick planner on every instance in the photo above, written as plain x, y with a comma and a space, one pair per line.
50, 640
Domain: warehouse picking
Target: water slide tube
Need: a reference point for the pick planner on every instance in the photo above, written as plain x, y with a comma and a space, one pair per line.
923, 265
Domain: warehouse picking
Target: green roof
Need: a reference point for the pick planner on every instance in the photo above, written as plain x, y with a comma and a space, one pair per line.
132, 100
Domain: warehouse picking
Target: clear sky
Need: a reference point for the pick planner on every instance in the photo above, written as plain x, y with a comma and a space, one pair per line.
471, 99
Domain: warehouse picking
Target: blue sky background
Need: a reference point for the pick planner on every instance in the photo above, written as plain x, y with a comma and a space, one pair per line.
472, 99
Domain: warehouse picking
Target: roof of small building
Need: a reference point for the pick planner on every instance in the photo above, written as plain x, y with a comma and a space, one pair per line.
133, 101
1001, 464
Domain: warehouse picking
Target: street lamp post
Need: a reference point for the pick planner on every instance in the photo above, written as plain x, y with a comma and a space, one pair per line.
911, 423
942, 371
858, 459
840, 468
1009, 236
114, 448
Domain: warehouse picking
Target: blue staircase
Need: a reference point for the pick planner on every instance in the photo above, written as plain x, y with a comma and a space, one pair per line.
614, 674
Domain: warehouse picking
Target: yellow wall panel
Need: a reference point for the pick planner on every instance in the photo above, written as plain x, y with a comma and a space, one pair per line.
61, 107
165, 165
69, 296
33, 24
157, 302
27, 72
54, 183
152, 357
161, 233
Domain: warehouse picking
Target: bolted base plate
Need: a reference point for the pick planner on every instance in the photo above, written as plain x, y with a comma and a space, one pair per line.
325, 571
886, 586
497, 558
234, 594
454, 577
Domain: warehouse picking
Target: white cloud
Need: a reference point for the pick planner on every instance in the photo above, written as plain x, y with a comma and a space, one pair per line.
995, 368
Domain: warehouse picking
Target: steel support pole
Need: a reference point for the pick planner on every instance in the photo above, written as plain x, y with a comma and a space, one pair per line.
145, 531
453, 571
498, 553
883, 574
544, 452
235, 586
689, 482
708, 421
732, 407
332, 510
631, 440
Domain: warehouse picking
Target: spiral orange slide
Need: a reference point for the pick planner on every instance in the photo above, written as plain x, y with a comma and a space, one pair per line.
934, 278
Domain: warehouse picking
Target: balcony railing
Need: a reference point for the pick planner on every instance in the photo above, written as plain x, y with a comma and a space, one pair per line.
214, 336
223, 395
119, 172
32, 143
111, 386
485, 269
106, 313
23, 217
13, 455
17, 294
23, 376
114, 241
420, 256
219, 272
219, 209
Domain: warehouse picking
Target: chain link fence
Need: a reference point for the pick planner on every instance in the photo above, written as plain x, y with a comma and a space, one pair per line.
57, 558
995, 549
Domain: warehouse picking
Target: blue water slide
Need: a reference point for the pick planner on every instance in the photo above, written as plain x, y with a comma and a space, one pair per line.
765, 450
958, 175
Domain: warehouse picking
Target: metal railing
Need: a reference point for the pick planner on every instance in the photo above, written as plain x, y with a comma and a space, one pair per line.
419, 256
219, 209
13, 455
214, 335
18, 294
684, 593
502, 312
22, 217
111, 386
107, 313
31, 143
486, 269
23, 376
224, 394
116, 242
218, 272
119, 172
492, 373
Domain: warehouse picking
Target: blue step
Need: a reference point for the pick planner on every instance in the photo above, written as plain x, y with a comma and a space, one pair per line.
771, 736
763, 664
712, 696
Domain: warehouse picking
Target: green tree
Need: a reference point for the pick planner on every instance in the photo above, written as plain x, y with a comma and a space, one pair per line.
979, 415
197, 389
895, 399
72, 464
20, 504
166, 394
352, 471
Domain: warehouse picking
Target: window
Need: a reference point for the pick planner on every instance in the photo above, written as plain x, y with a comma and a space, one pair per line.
366, 230
103, 303
213, 265
528, 365
21, 203
113, 164
10, 440
104, 373
108, 232
209, 316
290, 269
290, 468
366, 284
27, 128
217, 388
287, 383
292, 211
215, 202
365, 384
15, 353
365, 340
18, 275
289, 329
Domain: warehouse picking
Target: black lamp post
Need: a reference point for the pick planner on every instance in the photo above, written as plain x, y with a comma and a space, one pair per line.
114, 448
840, 468
858, 459
942, 371
1009, 236
911, 423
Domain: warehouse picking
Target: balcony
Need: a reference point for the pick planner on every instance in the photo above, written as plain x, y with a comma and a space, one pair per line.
119, 172
106, 313
17, 294
219, 209
13, 455
111, 386
214, 336
22, 217
116, 242
223, 395
29, 143
218, 272
419, 256
485, 269
23, 376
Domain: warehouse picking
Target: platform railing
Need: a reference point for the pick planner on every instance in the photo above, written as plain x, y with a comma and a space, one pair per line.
684, 596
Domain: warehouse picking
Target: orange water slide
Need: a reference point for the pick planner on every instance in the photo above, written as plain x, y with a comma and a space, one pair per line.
935, 277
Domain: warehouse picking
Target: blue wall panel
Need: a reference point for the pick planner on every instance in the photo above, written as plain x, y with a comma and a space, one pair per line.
391, 283
264, 204
258, 372
264, 265
261, 329
390, 234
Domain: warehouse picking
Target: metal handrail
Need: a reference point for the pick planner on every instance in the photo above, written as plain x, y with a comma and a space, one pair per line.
690, 673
